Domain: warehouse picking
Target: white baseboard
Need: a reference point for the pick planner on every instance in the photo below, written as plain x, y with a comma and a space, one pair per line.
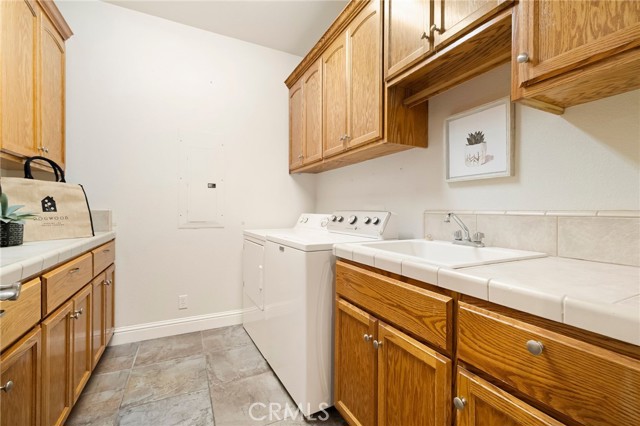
154, 330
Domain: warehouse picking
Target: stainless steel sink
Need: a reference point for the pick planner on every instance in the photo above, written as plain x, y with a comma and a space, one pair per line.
446, 254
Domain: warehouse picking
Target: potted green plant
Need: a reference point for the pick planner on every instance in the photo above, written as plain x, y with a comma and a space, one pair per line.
11, 223
475, 151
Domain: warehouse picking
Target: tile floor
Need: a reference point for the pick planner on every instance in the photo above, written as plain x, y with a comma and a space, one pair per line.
215, 377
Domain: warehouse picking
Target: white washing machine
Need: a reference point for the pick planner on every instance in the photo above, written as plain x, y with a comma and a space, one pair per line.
295, 335
253, 304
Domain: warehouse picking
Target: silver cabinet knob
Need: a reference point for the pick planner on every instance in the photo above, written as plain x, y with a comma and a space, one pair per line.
534, 347
300, 157
434, 27
367, 337
46, 149
108, 282
7, 386
522, 58
459, 403
10, 291
377, 344
76, 314
424, 36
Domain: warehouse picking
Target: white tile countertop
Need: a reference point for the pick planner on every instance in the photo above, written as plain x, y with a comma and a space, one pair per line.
20, 262
600, 297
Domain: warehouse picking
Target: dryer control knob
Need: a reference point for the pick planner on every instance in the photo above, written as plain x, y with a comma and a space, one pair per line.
333, 218
367, 220
352, 219
340, 218
376, 220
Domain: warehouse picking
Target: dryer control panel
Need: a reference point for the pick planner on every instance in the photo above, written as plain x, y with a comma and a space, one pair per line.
369, 223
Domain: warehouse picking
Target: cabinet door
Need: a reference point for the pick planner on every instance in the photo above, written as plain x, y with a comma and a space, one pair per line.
56, 365
20, 379
312, 94
334, 100
454, 17
82, 336
19, 22
414, 382
354, 364
296, 126
365, 76
407, 38
52, 80
559, 36
483, 404
97, 319
109, 303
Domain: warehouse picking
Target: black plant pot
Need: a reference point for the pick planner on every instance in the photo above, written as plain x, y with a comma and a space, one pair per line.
11, 234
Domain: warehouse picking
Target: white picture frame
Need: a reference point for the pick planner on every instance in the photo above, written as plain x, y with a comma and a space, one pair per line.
479, 142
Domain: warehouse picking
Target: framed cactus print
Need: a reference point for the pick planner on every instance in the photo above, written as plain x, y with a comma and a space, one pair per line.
479, 142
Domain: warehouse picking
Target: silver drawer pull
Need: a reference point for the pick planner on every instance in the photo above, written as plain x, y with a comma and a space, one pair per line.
459, 403
74, 270
7, 386
106, 250
534, 347
10, 291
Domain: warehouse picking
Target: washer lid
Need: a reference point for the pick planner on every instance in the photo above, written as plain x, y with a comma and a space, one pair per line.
313, 241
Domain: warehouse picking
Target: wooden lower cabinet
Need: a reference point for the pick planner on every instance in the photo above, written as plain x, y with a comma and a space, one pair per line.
82, 338
57, 343
414, 381
98, 342
20, 382
480, 403
385, 377
354, 364
109, 303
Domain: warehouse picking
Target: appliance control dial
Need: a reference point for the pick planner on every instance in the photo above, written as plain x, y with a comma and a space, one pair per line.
367, 220
376, 220
333, 218
305, 220
340, 218
352, 219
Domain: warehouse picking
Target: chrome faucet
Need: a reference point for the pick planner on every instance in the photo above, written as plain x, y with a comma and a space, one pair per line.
464, 237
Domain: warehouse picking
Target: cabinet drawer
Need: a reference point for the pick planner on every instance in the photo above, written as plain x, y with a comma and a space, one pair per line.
103, 256
61, 283
18, 316
587, 383
424, 313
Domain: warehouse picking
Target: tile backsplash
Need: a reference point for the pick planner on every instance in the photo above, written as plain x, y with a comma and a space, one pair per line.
600, 236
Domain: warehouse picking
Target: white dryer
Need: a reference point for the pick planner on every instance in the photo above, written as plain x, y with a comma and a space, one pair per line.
299, 270
253, 266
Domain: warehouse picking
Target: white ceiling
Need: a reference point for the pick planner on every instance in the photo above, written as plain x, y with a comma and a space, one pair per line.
292, 26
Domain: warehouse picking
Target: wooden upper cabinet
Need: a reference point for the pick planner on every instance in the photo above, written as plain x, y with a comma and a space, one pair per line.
407, 38
312, 104
482, 404
52, 92
19, 22
454, 17
20, 365
414, 382
364, 41
334, 99
296, 128
354, 364
555, 36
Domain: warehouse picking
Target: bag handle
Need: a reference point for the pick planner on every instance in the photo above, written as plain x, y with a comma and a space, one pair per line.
57, 170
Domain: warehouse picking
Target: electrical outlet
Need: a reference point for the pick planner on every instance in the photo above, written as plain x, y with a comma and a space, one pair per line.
183, 302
